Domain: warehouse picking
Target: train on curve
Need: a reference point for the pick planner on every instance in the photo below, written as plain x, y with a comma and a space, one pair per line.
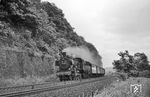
70, 68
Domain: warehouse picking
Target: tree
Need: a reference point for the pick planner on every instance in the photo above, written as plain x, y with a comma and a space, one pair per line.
124, 64
20, 12
137, 65
141, 62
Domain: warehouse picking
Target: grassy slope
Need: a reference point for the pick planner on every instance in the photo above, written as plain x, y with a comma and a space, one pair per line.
122, 88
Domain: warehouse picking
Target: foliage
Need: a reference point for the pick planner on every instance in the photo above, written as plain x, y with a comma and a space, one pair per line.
133, 65
134, 73
38, 26
56, 18
141, 61
124, 64
19, 12
144, 73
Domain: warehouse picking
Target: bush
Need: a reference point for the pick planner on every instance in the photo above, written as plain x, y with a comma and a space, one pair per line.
144, 73
122, 76
134, 73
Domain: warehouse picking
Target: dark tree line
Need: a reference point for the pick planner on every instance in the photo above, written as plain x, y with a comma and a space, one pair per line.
136, 65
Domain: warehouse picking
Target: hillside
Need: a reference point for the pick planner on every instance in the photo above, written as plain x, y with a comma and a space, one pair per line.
32, 34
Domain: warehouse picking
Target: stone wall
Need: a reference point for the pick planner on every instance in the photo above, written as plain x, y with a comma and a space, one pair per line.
19, 63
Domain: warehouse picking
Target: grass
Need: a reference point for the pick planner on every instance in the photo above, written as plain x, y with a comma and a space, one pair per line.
122, 88
26, 81
115, 90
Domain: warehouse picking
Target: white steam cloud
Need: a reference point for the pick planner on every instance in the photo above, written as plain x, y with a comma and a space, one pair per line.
84, 53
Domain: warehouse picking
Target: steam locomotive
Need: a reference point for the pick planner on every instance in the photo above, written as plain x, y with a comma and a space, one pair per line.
70, 68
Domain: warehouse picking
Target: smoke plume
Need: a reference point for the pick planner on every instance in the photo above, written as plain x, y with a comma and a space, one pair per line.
84, 53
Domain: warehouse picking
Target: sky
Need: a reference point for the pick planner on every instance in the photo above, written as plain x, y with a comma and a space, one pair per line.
111, 25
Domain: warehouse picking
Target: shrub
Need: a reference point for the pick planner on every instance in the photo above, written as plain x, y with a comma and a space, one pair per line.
134, 73
122, 76
144, 73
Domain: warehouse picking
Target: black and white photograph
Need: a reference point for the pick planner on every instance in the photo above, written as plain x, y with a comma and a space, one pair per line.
74, 48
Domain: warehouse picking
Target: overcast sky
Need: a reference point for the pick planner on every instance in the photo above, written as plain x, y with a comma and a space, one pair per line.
111, 25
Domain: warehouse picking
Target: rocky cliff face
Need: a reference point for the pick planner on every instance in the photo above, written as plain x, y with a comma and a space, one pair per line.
32, 33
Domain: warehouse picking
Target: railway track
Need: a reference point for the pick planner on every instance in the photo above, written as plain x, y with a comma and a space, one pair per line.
32, 86
35, 86
50, 88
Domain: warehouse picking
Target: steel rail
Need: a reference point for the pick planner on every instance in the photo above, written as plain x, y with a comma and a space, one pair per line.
32, 86
39, 90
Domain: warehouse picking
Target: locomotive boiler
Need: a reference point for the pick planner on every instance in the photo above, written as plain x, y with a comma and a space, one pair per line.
75, 68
